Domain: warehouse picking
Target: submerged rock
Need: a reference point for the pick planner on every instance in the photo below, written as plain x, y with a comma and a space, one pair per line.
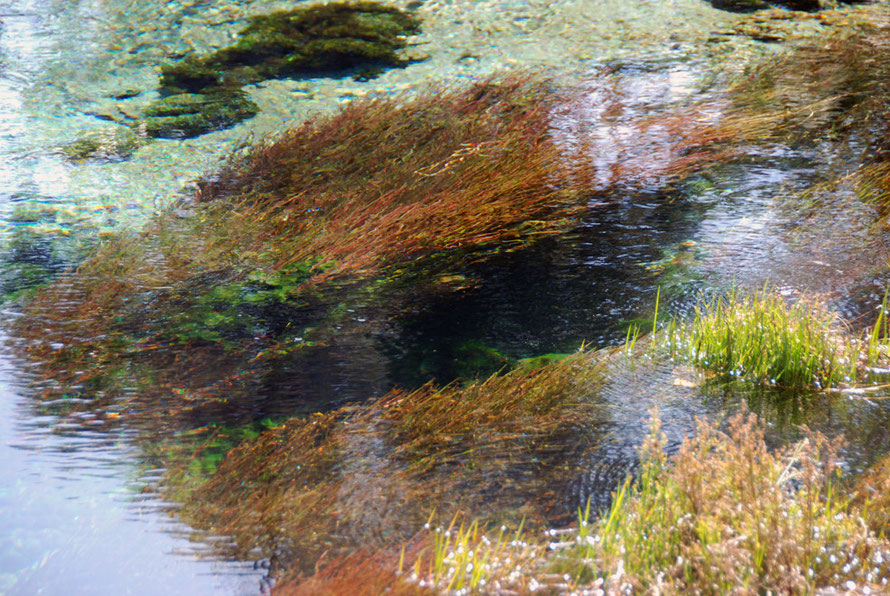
739, 5
108, 144
192, 114
202, 93
752, 5
805, 5
322, 38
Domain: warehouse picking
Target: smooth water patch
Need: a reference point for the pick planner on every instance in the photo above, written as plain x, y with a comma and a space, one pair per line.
73, 519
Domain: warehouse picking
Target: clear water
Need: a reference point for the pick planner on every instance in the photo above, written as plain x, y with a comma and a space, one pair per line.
72, 517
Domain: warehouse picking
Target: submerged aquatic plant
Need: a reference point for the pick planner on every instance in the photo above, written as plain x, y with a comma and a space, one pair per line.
312, 39
724, 515
350, 198
362, 475
202, 94
190, 114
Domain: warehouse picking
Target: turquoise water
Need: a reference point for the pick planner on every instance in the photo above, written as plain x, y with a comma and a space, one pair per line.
73, 517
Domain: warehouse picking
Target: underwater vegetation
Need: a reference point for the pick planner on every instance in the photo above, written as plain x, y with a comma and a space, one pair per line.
202, 94
368, 475
39, 248
372, 201
188, 317
726, 514
254, 271
190, 114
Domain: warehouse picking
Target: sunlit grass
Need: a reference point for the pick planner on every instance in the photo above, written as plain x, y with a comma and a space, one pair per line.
728, 515
724, 515
767, 339
463, 559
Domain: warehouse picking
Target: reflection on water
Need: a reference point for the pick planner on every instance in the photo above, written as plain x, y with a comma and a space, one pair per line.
70, 523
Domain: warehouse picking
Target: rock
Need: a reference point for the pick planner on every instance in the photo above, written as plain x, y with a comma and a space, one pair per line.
323, 38
127, 94
739, 5
108, 144
752, 5
803, 5
191, 114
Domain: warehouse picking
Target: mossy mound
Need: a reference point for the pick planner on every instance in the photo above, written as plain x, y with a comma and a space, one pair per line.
192, 114
109, 144
322, 38
201, 94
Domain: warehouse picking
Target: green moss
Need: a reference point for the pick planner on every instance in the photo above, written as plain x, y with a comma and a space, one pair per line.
262, 304
197, 455
541, 361
322, 38
473, 359
188, 76
192, 114
110, 144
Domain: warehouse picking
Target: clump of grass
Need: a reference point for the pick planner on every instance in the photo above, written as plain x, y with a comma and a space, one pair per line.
724, 515
728, 515
763, 337
462, 559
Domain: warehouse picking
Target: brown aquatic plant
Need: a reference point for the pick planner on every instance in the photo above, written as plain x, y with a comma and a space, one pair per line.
366, 476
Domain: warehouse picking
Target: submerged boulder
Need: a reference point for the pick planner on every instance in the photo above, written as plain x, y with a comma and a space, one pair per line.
192, 114
203, 94
108, 144
739, 5
752, 5
322, 38
805, 5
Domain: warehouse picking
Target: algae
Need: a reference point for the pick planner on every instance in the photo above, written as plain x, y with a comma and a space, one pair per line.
191, 114
202, 94
310, 40
111, 144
